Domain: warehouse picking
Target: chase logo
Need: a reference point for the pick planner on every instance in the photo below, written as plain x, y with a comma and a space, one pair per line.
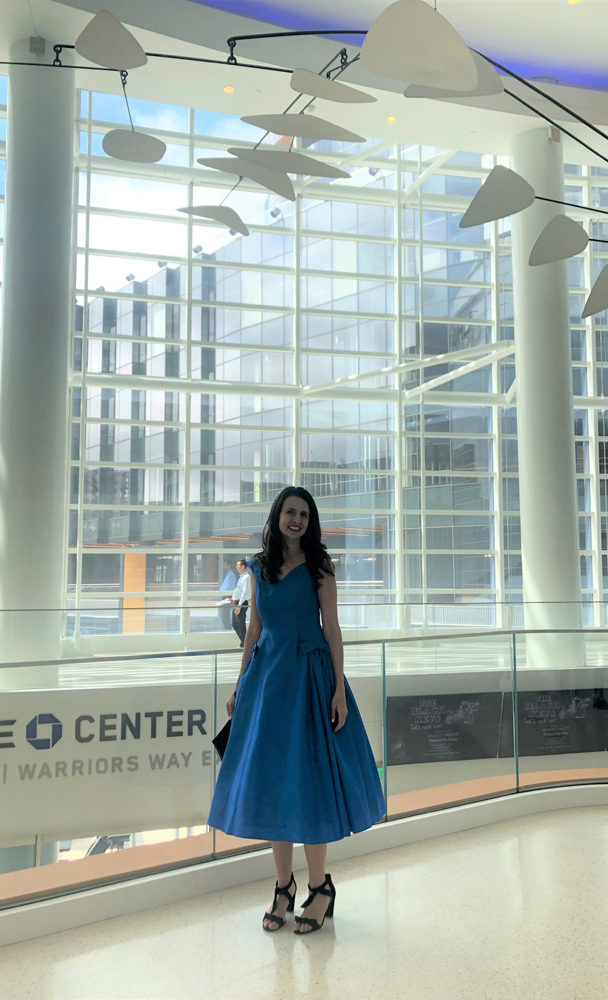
43, 722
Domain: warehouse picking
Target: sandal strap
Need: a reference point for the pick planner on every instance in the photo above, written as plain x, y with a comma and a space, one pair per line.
283, 890
320, 891
280, 890
316, 926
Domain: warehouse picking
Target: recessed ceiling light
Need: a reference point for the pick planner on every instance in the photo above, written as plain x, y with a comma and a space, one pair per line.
391, 120
573, 3
229, 90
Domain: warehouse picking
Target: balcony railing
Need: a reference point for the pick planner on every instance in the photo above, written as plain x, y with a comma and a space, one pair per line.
106, 761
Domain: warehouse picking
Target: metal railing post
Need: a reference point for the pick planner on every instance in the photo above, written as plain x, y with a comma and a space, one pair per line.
384, 741
515, 713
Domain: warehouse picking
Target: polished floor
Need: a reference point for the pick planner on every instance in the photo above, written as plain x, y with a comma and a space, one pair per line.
514, 911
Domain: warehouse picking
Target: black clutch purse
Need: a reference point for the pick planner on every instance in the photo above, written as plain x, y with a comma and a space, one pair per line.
220, 740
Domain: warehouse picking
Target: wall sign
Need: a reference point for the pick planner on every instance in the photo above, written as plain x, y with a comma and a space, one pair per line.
94, 761
423, 729
555, 722
434, 728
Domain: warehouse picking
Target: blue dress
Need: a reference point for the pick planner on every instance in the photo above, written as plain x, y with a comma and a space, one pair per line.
285, 774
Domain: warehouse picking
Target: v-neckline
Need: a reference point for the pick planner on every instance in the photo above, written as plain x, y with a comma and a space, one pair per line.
292, 571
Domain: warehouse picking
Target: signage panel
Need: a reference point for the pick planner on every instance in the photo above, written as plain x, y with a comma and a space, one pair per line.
423, 729
435, 728
94, 761
558, 722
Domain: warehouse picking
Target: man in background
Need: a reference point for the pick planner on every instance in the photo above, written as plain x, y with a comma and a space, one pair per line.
228, 583
240, 598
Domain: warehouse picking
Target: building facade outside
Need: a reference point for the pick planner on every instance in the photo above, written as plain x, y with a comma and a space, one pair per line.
209, 370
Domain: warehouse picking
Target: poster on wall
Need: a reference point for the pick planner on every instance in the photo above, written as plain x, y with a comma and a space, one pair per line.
561, 722
424, 729
435, 728
96, 761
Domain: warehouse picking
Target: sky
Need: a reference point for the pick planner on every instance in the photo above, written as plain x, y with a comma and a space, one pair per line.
167, 238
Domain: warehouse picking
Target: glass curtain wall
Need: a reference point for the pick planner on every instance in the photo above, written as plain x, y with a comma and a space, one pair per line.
3, 97
211, 369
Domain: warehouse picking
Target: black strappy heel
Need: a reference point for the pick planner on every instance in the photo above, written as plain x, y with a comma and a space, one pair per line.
282, 890
327, 888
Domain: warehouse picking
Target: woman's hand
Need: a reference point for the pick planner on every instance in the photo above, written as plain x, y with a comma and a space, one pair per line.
230, 704
338, 711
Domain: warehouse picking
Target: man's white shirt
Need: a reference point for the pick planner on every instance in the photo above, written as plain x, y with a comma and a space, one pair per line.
242, 591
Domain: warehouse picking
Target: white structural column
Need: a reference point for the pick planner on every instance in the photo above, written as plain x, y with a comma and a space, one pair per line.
33, 377
545, 419
34, 359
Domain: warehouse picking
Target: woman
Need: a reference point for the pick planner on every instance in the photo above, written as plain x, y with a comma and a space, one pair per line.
298, 766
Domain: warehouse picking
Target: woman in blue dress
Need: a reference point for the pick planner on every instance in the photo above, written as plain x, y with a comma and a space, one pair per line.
298, 766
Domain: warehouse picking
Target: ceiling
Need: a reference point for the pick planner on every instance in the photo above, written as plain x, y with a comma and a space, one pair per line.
537, 38
533, 37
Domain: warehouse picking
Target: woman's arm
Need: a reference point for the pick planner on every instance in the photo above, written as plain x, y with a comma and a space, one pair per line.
252, 635
254, 628
328, 602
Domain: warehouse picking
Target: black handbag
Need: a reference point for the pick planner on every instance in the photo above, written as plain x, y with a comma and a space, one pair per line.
220, 740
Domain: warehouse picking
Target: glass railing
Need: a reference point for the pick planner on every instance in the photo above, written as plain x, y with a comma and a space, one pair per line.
104, 620
107, 767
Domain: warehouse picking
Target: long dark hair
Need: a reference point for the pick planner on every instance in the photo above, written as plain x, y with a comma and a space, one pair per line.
273, 546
